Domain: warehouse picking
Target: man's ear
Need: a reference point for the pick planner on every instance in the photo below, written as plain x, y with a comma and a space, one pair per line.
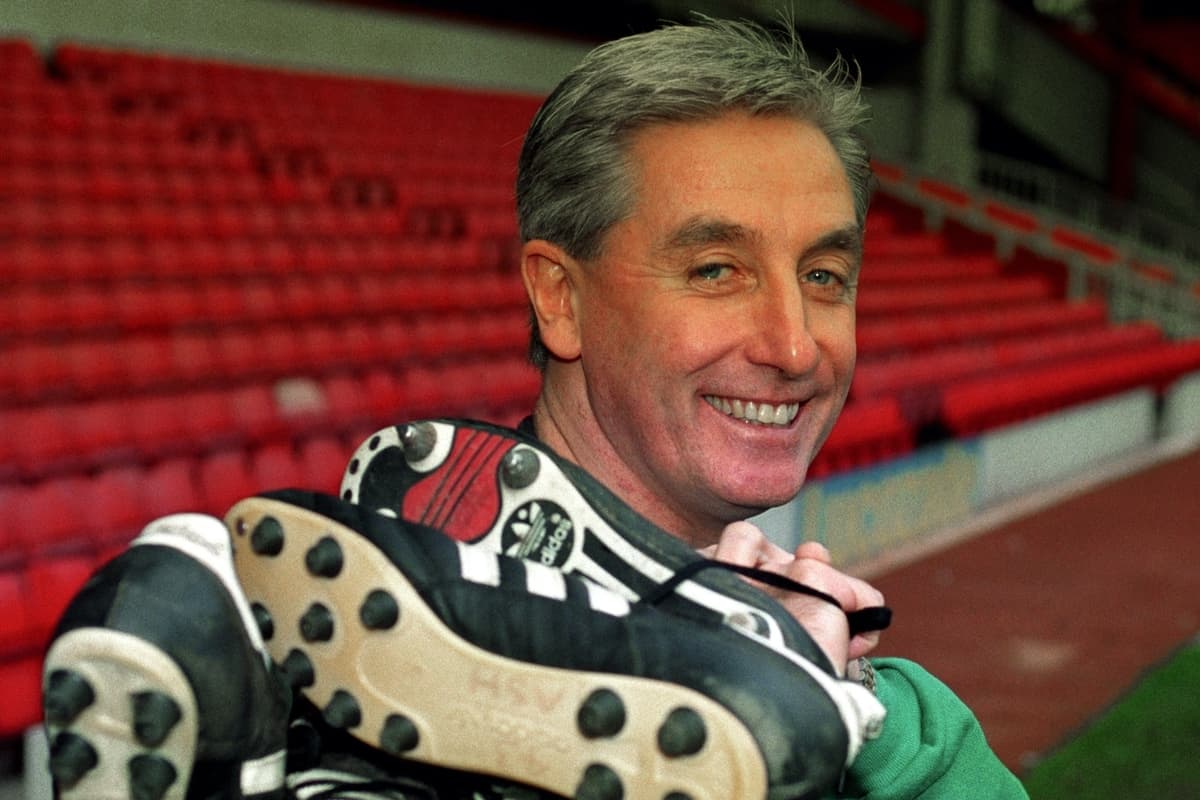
545, 269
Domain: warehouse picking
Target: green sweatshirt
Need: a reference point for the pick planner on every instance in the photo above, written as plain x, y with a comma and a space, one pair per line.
931, 748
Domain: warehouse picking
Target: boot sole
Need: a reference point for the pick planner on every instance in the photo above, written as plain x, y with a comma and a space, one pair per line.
410, 686
138, 732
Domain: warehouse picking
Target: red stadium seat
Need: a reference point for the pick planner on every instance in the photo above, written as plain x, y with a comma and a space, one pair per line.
280, 351
169, 487
383, 395
345, 398
225, 478
194, 357
114, 501
96, 367
43, 437
158, 424
52, 516
256, 412
208, 416
323, 459
20, 695
148, 361
36, 370
17, 629
276, 466
52, 583
865, 433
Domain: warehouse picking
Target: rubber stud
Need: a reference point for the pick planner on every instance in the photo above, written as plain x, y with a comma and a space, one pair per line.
599, 783
267, 537
399, 735
71, 757
324, 559
682, 733
317, 624
150, 776
342, 711
154, 715
299, 670
379, 611
67, 694
264, 621
601, 715
519, 468
418, 440
352, 469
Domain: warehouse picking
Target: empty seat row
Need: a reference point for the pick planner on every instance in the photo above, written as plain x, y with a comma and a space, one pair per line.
906, 245
125, 306
384, 210
942, 366
62, 437
34, 595
914, 333
96, 368
954, 268
866, 433
95, 514
895, 300
95, 510
970, 407
136, 257
67, 168
21, 695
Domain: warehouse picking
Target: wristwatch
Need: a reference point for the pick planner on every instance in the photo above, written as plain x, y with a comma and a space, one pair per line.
861, 671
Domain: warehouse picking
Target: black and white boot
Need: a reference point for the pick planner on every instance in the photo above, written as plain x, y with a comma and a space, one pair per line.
434, 651
500, 489
157, 685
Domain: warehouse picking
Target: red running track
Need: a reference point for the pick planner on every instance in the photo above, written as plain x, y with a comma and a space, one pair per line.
1042, 623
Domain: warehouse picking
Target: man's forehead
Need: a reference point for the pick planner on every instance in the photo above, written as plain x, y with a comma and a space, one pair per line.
700, 230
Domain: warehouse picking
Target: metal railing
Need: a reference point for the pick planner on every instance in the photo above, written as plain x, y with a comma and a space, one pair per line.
1144, 233
1128, 292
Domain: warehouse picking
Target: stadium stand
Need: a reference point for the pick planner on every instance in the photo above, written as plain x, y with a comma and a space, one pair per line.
220, 278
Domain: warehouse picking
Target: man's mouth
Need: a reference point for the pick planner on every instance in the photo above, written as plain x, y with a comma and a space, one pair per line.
753, 411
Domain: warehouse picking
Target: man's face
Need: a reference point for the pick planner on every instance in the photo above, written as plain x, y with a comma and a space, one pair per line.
716, 330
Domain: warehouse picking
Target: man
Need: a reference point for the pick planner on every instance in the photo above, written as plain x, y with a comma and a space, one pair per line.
692, 203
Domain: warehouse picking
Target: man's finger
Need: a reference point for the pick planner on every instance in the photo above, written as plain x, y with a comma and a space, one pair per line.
743, 543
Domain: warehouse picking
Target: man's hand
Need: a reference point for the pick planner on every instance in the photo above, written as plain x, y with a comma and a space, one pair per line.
743, 543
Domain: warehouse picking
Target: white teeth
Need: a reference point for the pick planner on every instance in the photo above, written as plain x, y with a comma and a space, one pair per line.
751, 411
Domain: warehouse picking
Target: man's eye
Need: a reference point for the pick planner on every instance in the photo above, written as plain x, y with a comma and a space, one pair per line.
821, 277
711, 272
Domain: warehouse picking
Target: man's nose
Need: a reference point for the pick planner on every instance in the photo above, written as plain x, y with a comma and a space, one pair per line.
782, 337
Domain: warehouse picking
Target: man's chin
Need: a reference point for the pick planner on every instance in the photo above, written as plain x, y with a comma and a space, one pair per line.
752, 499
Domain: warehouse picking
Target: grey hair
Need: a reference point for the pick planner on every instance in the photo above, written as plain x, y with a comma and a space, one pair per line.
573, 177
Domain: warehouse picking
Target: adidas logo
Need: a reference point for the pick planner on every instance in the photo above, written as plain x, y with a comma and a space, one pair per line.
539, 531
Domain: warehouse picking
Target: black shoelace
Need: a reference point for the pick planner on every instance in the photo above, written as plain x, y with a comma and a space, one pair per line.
863, 620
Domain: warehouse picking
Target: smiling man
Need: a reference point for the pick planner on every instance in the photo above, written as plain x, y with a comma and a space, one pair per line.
692, 202
701, 358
